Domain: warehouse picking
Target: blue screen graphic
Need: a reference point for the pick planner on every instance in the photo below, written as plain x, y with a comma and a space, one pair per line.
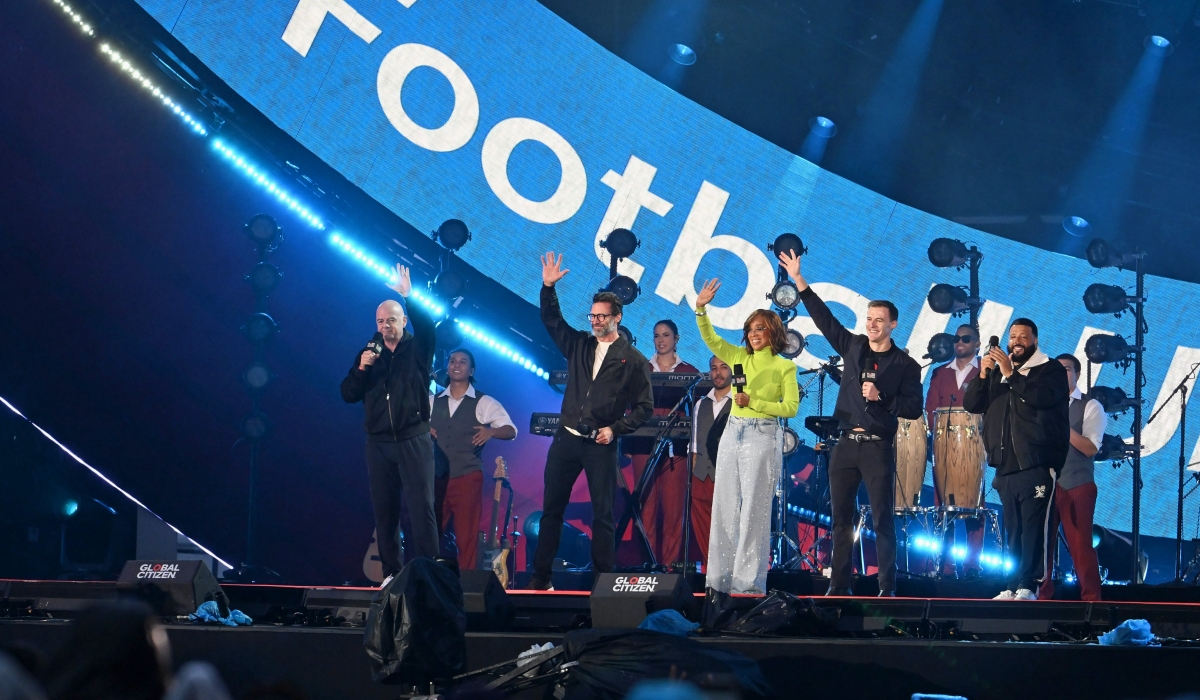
505, 116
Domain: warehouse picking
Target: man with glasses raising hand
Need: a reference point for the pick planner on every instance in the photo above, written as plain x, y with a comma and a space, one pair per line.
606, 377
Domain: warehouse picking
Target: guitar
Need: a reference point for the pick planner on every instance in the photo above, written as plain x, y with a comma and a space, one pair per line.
494, 547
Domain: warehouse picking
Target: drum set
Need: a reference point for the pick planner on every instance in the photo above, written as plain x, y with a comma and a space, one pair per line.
958, 476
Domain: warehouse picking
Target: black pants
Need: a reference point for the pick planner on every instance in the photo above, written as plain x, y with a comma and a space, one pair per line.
570, 454
1027, 497
854, 463
402, 473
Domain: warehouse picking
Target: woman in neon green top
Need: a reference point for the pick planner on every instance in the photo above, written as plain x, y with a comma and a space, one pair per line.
750, 454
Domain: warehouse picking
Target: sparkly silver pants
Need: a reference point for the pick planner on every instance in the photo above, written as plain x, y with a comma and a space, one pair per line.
749, 461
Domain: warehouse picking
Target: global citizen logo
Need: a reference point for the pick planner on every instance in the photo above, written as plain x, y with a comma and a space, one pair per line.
635, 584
158, 571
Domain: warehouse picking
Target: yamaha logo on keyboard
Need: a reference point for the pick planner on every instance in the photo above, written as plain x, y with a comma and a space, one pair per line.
635, 584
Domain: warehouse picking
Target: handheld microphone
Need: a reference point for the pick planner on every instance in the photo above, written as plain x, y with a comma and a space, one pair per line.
868, 375
993, 342
739, 379
376, 344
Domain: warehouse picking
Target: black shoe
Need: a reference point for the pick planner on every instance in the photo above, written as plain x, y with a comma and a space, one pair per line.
887, 594
973, 574
539, 584
839, 591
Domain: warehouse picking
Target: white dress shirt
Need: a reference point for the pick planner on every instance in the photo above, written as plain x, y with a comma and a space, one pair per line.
960, 374
488, 411
654, 366
717, 406
1094, 420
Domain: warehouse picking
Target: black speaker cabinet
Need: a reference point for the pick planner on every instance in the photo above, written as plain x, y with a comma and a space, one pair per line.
624, 600
487, 604
173, 587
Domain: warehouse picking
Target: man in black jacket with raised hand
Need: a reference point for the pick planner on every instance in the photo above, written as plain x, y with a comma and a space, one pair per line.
1024, 398
880, 383
393, 385
606, 378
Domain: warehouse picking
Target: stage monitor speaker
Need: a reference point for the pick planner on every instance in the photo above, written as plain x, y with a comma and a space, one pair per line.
624, 600
173, 587
486, 602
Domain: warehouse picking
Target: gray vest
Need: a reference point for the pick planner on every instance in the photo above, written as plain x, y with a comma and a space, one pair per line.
453, 453
705, 466
1079, 469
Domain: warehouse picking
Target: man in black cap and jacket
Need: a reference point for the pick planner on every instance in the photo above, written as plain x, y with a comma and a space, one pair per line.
1024, 398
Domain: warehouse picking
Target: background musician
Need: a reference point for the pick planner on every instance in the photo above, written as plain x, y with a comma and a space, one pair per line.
1023, 396
606, 376
461, 422
946, 389
1075, 492
709, 417
880, 383
668, 489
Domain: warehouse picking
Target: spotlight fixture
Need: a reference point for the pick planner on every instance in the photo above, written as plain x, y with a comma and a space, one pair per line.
1100, 253
260, 328
1076, 226
786, 242
941, 347
682, 54
948, 299
1113, 399
1106, 299
447, 334
627, 335
620, 243
1113, 449
264, 278
1101, 349
448, 285
822, 127
948, 252
255, 426
452, 234
1158, 46
264, 231
784, 294
257, 377
794, 345
791, 442
624, 287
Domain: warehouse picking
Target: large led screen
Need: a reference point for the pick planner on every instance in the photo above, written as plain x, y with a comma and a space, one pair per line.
503, 115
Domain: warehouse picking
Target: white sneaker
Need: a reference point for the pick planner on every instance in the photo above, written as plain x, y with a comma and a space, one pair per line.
386, 581
1025, 594
1005, 595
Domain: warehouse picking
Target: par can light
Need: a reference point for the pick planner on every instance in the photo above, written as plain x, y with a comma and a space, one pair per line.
624, 287
447, 335
948, 252
786, 242
264, 278
260, 328
947, 299
452, 234
791, 442
257, 377
1113, 399
1101, 349
794, 345
448, 285
264, 231
620, 243
940, 348
1113, 448
1105, 299
255, 426
784, 295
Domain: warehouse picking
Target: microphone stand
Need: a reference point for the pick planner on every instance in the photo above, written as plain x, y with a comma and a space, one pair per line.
1182, 390
691, 464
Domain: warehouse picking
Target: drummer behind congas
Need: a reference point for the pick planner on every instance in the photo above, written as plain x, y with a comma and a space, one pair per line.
1023, 396
946, 390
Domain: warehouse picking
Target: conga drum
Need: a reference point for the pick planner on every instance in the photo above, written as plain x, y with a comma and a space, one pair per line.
910, 462
958, 457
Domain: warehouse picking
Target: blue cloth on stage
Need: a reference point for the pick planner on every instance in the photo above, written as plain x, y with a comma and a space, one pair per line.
670, 622
1134, 633
210, 612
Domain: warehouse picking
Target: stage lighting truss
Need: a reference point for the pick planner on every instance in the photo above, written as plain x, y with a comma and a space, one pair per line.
794, 345
257, 175
1114, 449
452, 234
1112, 399
1109, 349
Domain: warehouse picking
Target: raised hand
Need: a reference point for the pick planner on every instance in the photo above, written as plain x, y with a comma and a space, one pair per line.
791, 262
707, 292
402, 285
551, 269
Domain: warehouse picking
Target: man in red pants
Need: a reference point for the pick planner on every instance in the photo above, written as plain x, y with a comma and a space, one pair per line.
946, 390
461, 422
709, 417
1075, 495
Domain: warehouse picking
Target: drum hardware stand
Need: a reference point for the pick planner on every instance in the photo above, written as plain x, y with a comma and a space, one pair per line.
829, 440
633, 503
691, 463
781, 542
1182, 390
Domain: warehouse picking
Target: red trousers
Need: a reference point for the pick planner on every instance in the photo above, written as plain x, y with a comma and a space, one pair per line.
1075, 509
702, 497
664, 502
460, 505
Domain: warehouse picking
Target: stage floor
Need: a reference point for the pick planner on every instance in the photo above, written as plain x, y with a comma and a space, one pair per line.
884, 648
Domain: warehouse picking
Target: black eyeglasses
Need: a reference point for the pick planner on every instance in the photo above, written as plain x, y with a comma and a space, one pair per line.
963, 338
599, 317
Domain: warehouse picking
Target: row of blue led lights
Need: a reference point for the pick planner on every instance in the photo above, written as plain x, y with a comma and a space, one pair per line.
933, 545
247, 167
482, 336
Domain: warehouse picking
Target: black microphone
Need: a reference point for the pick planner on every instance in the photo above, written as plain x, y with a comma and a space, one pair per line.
376, 344
739, 379
868, 375
993, 342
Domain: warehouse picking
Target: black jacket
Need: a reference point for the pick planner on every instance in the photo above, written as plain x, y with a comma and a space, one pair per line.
898, 376
1032, 408
622, 383
395, 390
